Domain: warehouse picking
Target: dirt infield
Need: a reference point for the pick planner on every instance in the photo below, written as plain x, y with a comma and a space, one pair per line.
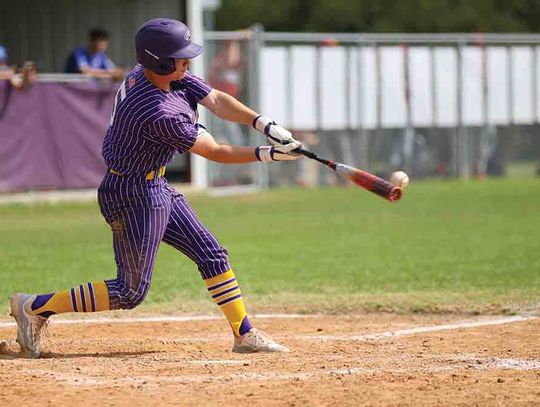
381, 359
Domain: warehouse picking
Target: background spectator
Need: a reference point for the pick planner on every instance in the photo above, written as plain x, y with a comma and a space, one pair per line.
226, 69
20, 80
3, 59
92, 60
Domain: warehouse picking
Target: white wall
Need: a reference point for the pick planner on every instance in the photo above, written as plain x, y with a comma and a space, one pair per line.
305, 87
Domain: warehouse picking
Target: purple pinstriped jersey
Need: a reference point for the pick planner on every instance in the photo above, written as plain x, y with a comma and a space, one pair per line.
149, 126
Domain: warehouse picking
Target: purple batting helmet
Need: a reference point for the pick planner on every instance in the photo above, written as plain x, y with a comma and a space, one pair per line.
160, 41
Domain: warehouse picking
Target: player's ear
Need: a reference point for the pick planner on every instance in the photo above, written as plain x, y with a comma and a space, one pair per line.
181, 63
167, 66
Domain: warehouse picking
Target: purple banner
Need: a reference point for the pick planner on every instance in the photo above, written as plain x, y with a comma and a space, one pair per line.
51, 134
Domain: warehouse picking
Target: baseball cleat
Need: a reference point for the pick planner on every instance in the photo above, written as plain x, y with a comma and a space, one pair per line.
29, 325
256, 341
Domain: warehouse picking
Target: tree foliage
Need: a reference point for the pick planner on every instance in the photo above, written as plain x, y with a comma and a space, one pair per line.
382, 15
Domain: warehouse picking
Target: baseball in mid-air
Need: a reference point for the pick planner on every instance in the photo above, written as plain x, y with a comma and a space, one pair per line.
399, 179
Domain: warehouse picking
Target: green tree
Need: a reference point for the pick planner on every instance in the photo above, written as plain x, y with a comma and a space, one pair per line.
382, 15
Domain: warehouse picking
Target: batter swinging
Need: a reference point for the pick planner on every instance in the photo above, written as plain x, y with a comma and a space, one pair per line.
155, 117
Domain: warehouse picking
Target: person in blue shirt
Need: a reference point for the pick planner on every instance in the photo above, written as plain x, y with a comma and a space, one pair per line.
3, 59
92, 60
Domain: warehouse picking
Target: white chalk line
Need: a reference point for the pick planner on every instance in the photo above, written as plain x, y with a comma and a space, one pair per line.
159, 318
421, 329
383, 335
452, 364
344, 337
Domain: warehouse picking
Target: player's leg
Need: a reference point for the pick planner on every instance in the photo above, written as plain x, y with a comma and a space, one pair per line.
88, 297
31, 311
186, 233
136, 237
135, 249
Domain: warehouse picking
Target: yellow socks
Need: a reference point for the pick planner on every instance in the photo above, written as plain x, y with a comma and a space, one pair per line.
226, 293
89, 297
94, 296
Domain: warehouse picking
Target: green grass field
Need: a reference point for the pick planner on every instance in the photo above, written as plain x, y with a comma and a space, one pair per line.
449, 246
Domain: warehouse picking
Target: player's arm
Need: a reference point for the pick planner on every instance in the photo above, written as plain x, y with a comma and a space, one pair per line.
229, 108
207, 147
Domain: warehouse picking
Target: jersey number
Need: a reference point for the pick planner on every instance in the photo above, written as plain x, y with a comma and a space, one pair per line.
120, 95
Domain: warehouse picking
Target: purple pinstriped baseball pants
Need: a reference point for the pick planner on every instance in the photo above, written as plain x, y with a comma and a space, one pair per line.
142, 214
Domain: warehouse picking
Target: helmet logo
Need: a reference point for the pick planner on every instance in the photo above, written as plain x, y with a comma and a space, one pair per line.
149, 53
187, 36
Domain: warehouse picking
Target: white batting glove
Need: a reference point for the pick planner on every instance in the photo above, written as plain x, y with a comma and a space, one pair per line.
278, 153
276, 135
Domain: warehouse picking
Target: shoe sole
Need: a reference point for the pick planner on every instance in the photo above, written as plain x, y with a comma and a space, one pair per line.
243, 350
250, 350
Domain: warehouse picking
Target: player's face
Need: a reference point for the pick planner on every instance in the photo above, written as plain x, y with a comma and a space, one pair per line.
182, 66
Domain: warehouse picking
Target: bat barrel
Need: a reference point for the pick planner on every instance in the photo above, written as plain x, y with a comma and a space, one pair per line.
371, 182
395, 194
362, 178
377, 185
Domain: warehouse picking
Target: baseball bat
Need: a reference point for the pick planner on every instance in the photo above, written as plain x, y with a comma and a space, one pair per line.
362, 178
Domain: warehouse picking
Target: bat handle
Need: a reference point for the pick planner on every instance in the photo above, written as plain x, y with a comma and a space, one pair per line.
305, 152
313, 156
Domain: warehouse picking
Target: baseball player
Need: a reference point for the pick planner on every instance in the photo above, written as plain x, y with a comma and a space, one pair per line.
155, 117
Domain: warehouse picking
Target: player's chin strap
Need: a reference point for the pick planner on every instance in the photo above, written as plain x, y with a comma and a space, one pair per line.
177, 85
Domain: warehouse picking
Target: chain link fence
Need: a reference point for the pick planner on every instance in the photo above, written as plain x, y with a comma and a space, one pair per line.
441, 105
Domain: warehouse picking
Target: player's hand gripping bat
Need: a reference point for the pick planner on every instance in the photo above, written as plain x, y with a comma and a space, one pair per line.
364, 179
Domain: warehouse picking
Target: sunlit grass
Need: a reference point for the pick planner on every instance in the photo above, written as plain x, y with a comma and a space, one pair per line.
465, 246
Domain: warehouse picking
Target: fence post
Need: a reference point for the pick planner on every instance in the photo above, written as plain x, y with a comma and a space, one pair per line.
462, 139
434, 94
534, 82
504, 140
363, 154
256, 44
409, 131
482, 155
200, 176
